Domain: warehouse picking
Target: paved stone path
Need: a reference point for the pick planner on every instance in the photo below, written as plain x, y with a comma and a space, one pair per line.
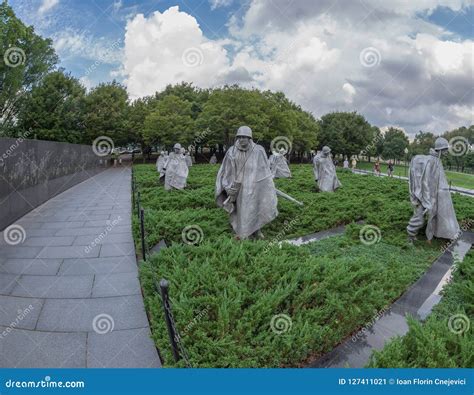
418, 301
69, 293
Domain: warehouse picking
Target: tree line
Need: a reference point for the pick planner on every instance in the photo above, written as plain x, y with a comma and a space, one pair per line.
45, 102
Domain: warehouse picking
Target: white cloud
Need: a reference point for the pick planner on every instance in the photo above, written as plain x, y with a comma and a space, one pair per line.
420, 79
220, 3
47, 5
71, 43
168, 48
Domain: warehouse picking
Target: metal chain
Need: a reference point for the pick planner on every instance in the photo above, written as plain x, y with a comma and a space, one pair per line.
177, 335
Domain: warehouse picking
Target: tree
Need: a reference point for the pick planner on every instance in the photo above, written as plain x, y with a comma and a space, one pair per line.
346, 133
227, 109
374, 149
169, 122
422, 143
462, 154
54, 110
395, 142
105, 112
27, 58
270, 115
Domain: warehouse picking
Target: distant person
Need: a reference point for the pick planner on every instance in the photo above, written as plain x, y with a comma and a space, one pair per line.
390, 169
345, 165
354, 163
377, 168
213, 160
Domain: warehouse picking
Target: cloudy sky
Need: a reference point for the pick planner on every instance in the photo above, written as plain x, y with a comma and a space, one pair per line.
400, 63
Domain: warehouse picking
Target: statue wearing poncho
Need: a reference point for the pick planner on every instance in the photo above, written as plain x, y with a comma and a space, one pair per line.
279, 165
429, 194
244, 186
325, 171
160, 163
176, 169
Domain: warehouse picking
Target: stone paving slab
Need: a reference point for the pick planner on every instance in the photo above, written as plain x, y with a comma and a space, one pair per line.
122, 284
68, 315
125, 264
49, 241
35, 349
121, 349
19, 313
116, 238
53, 286
39, 267
76, 273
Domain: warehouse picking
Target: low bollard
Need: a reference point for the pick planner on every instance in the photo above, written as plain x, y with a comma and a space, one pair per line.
142, 232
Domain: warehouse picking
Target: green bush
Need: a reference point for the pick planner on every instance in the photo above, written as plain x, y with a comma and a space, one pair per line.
225, 292
328, 289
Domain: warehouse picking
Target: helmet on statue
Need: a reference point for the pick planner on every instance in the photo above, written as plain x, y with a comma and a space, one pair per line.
441, 143
244, 131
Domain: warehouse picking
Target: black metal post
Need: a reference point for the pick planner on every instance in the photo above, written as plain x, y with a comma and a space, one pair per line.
163, 288
138, 205
142, 231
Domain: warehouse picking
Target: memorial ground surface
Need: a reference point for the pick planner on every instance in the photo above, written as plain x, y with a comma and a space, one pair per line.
262, 304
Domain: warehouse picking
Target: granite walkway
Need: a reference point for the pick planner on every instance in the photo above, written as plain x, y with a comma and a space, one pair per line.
69, 292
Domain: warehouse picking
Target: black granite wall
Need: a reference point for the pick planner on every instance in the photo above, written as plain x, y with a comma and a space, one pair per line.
33, 171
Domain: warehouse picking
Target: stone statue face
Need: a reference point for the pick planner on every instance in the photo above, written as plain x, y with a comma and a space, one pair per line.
243, 141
